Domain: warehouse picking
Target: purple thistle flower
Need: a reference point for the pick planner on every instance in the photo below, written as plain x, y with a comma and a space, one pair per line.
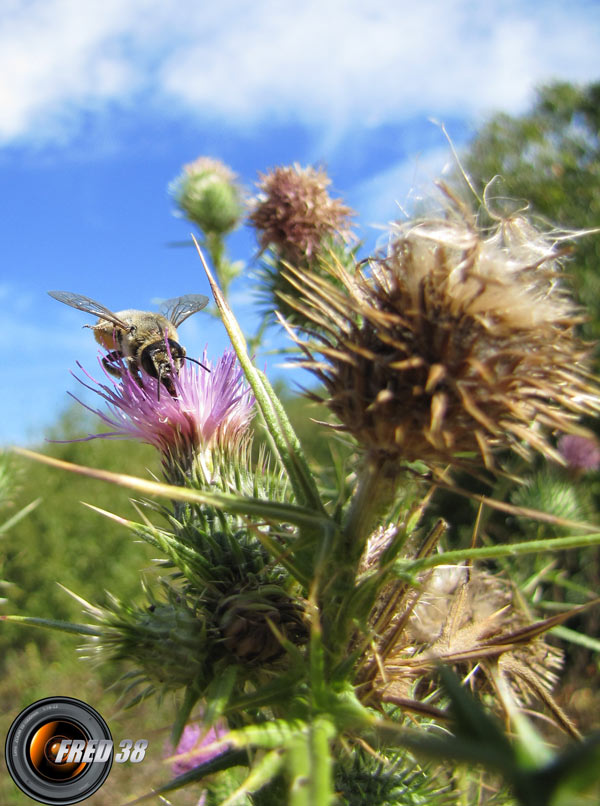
208, 410
195, 737
580, 453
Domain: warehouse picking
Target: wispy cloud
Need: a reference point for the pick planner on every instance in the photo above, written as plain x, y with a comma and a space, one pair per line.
327, 63
392, 194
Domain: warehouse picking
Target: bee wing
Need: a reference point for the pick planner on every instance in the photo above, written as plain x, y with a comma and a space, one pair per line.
178, 309
89, 306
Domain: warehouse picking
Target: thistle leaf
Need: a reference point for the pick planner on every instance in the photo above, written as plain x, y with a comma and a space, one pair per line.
253, 507
278, 424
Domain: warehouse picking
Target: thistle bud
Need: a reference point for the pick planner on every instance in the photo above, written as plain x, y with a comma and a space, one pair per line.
247, 623
206, 192
168, 640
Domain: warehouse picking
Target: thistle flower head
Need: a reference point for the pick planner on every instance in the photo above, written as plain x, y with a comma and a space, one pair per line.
580, 452
294, 213
211, 409
207, 193
458, 342
196, 738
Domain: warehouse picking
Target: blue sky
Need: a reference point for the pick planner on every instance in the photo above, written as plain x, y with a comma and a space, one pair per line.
103, 101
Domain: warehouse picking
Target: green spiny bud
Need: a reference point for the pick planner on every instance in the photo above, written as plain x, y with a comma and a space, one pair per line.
207, 194
167, 640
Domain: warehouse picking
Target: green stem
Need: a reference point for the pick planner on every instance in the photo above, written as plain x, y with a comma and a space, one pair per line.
216, 250
53, 624
20, 514
278, 424
373, 495
299, 770
321, 779
502, 550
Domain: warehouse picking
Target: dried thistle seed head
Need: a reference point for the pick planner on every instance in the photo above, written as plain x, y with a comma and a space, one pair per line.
455, 343
294, 214
466, 596
467, 618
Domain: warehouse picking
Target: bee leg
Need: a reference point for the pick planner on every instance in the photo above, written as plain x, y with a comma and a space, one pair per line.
134, 370
113, 363
118, 365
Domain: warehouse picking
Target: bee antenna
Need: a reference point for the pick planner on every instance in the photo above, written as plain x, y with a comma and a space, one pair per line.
200, 364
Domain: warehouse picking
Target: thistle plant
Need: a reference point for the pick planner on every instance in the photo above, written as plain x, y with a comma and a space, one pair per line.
310, 629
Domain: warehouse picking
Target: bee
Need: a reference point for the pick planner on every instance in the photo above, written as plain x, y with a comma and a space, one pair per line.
138, 340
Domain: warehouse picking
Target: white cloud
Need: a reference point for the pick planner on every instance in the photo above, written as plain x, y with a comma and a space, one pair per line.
330, 63
57, 56
326, 60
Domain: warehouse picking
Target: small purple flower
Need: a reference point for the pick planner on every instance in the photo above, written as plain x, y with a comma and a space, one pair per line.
196, 738
210, 409
580, 453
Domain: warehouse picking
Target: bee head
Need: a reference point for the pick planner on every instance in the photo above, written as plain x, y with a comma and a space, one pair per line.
161, 360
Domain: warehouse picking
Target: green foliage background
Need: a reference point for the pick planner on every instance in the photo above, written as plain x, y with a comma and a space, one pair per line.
62, 541
549, 160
